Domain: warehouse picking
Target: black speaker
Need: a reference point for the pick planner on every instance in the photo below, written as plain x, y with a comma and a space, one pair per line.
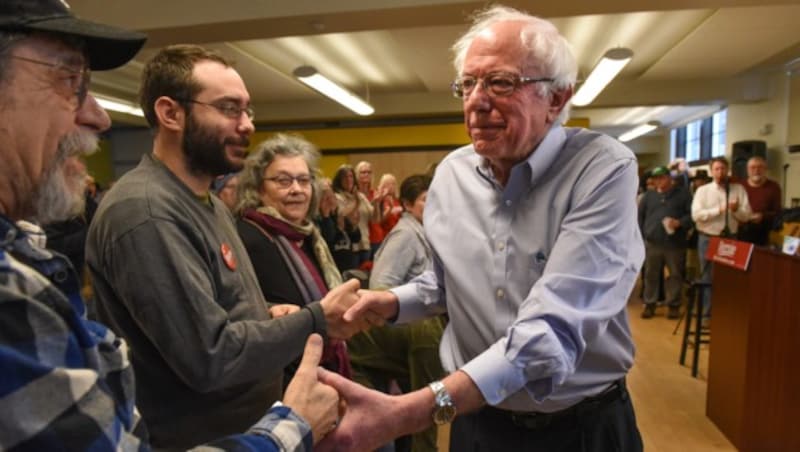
742, 151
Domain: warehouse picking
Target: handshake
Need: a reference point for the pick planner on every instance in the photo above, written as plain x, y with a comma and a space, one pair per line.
321, 397
349, 310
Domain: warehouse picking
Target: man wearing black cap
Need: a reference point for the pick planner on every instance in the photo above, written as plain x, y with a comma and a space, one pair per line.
665, 216
66, 381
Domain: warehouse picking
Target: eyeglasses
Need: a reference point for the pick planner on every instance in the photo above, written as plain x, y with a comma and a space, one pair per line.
227, 108
286, 181
498, 84
78, 79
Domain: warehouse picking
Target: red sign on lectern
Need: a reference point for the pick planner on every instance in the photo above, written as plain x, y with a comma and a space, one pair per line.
732, 253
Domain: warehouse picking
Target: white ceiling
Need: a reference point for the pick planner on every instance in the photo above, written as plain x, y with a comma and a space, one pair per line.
690, 56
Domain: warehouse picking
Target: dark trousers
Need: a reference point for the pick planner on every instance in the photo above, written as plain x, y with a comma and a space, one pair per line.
602, 427
656, 257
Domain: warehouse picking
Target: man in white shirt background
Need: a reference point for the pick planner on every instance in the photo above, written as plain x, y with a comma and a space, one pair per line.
717, 210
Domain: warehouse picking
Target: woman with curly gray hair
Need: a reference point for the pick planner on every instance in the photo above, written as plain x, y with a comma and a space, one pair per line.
277, 198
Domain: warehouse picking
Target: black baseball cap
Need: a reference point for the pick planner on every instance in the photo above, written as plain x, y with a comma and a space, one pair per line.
108, 47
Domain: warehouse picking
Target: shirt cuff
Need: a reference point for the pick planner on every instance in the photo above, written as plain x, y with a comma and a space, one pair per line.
290, 431
318, 323
409, 308
495, 376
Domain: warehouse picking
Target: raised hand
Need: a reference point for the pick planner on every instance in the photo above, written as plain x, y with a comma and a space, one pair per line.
316, 402
371, 418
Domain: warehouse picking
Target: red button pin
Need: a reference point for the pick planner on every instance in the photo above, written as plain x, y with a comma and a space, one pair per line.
227, 256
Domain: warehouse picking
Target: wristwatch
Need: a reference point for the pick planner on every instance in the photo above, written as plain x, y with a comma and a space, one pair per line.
444, 410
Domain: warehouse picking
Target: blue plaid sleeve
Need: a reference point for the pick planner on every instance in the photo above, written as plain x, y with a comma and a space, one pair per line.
280, 429
66, 384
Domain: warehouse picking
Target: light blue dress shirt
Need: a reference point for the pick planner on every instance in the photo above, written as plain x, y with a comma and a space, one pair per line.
534, 276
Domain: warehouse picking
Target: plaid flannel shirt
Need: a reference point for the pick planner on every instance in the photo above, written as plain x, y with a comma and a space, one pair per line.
66, 382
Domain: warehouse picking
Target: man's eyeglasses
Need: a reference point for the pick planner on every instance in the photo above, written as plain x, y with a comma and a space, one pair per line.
77, 79
286, 181
498, 84
228, 109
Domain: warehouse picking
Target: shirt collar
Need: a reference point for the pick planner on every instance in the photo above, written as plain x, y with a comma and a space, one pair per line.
525, 174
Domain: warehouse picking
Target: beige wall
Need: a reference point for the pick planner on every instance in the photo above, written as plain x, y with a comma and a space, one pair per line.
400, 164
775, 121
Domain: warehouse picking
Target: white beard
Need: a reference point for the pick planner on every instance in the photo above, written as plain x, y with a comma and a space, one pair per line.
61, 196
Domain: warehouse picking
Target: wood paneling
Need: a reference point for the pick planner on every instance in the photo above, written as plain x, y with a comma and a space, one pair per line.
754, 374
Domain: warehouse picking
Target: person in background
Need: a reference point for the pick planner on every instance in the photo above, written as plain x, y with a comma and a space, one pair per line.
665, 216
68, 384
293, 264
717, 209
764, 196
170, 272
699, 179
388, 208
363, 172
326, 214
356, 209
226, 188
648, 185
536, 251
679, 171
337, 230
408, 353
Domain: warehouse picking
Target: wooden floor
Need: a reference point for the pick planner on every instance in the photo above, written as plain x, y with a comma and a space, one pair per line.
670, 405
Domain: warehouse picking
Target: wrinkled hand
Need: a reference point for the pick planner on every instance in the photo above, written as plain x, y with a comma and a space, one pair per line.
373, 307
757, 217
280, 310
335, 304
315, 401
371, 418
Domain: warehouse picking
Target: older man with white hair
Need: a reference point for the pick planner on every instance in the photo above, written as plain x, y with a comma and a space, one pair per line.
536, 249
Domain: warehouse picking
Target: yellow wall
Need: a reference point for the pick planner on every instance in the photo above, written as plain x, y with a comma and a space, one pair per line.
379, 137
399, 150
99, 164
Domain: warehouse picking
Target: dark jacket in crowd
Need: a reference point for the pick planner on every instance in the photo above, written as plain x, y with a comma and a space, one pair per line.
655, 206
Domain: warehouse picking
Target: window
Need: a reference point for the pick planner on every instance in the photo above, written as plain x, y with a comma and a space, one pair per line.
720, 120
702, 139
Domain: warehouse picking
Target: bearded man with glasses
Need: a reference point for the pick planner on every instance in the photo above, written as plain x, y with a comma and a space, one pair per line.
172, 276
536, 249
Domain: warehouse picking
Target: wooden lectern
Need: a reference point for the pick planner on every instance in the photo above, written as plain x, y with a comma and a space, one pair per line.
754, 359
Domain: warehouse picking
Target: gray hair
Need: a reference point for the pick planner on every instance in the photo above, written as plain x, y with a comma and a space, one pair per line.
548, 51
251, 179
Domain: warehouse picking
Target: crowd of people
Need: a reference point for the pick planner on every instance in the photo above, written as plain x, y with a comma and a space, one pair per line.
491, 295
678, 213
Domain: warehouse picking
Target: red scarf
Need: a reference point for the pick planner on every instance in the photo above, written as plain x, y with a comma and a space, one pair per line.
334, 355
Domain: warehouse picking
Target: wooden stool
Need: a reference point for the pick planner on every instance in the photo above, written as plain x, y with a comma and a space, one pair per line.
695, 334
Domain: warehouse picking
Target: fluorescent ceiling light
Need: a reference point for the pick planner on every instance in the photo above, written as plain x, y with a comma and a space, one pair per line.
323, 85
639, 131
118, 105
602, 74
